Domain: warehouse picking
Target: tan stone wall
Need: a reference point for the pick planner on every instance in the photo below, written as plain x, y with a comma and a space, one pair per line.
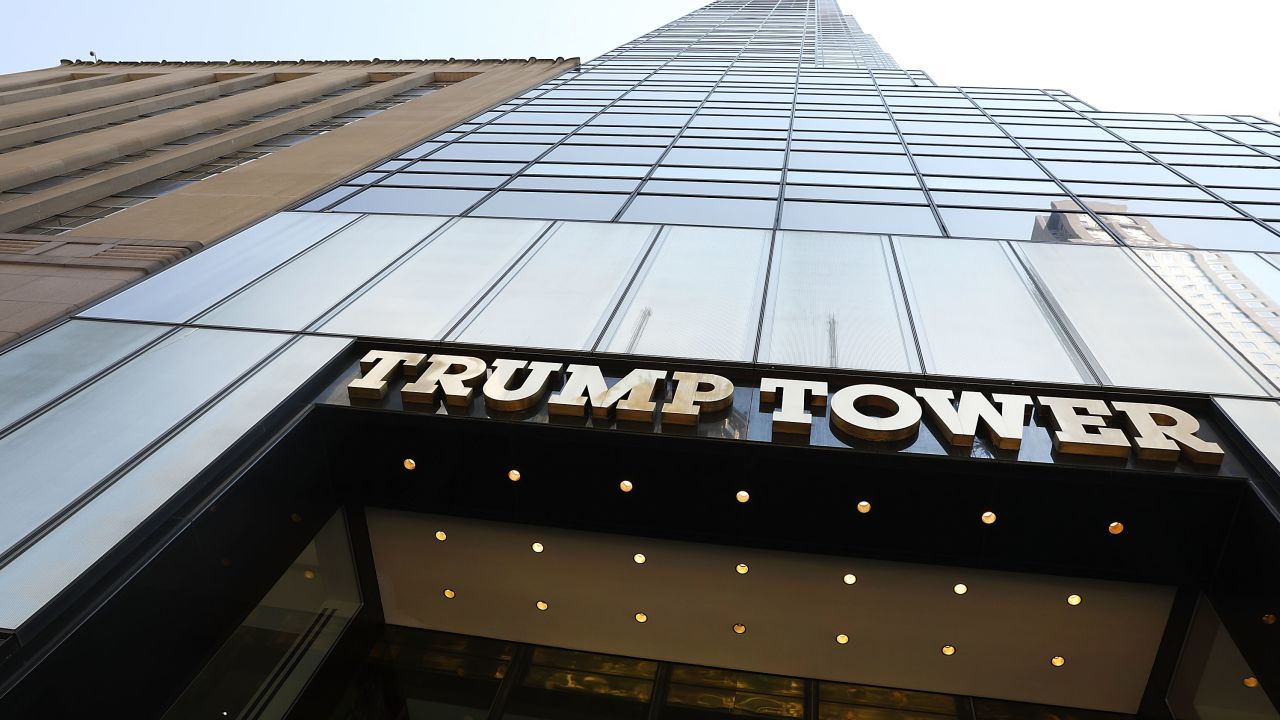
43, 278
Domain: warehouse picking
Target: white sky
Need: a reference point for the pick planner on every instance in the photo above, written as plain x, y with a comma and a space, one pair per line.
1136, 55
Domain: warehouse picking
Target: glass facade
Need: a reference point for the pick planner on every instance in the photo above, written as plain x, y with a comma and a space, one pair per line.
756, 185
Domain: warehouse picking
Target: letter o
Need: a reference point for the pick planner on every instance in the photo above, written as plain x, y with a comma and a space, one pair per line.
902, 424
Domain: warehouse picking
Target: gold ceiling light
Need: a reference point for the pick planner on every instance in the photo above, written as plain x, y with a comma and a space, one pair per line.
1057, 661
864, 507
639, 558
742, 568
948, 650
960, 588
410, 464
626, 486
1115, 528
1074, 599
537, 547
1269, 619
513, 475
450, 594
850, 579
743, 496
309, 574
739, 628
541, 605
1250, 682
441, 536
842, 639
641, 617
988, 518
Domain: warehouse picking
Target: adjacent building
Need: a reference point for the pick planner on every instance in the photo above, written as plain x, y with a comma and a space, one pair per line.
736, 372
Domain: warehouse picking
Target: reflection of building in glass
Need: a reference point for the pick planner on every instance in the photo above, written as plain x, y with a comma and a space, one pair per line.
1064, 225
1211, 283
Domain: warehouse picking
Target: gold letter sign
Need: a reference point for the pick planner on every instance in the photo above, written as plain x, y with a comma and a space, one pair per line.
877, 413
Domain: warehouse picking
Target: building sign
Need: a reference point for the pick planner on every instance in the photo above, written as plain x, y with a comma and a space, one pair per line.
868, 412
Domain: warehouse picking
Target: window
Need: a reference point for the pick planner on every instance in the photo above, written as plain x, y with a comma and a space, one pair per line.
402, 305
302, 290
992, 167
978, 314
685, 210
184, 290
1022, 225
63, 454
562, 294
698, 296
835, 301
1141, 231
552, 205
858, 217
417, 201
1137, 335
45, 366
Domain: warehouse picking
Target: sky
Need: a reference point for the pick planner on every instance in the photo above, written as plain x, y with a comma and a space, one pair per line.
1121, 55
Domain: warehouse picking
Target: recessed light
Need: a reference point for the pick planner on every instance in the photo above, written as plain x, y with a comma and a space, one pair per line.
626, 486
742, 568
1250, 682
960, 588
850, 579
441, 536
739, 628
948, 649
842, 639
309, 574
988, 518
1269, 619
1115, 528
864, 507
449, 593
537, 547
513, 475
1057, 661
541, 605
409, 464
641, 617
639, 558
1074, 599
743, 496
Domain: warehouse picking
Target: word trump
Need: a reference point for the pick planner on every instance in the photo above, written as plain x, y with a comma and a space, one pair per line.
871, 412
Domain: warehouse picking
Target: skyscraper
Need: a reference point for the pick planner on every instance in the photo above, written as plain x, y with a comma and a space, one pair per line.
738, 371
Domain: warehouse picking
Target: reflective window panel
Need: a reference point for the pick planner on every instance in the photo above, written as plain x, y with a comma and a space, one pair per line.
298, 293
422, 297
62, 454
1259, 420
1207, 233
859, 217
184, 290
56, 361
697, 296
1238, 294
561, 295
835, 301
978, 314
1135, 333
34, 577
